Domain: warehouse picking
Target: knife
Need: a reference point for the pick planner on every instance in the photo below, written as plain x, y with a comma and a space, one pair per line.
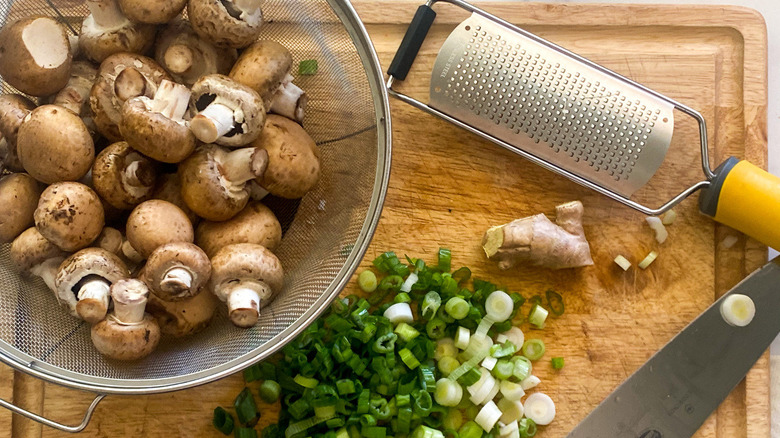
672, 394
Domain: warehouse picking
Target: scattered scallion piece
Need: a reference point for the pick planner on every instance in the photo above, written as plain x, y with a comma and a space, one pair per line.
503, 369
622, 262
367, 281
555, 302
470, 430
448, 393
526, 427
533, 349
522, 367
539, 408
223, 421
445, 259
269, 391
306, 382
650, 258
308, 67
537, 316
557, 363
246, 408
245, 432
430, 305
457, 307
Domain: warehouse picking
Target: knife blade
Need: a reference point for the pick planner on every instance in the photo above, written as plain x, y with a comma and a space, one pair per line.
674, 392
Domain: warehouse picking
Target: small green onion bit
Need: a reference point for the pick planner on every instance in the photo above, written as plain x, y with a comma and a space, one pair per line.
555, 302
223, 421
526, 427
270, 391
522, 367
457, 307
470, 430
245, 432
246, 408
367, 281
308, 67
503, 369
557, 363
533, 349
445, 259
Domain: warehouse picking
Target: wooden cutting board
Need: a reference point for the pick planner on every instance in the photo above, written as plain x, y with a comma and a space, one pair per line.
447, 187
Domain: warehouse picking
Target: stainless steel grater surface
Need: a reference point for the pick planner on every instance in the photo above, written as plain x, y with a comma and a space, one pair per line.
552, 106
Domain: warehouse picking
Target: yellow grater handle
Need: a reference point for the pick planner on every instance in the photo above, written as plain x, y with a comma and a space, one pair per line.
746, 198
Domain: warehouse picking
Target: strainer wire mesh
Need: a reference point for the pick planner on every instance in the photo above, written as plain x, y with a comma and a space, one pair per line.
326, 233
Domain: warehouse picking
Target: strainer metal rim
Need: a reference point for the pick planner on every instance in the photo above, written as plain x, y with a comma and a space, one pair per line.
30, 365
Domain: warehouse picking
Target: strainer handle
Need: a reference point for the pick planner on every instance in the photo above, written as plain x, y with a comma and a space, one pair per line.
53, 424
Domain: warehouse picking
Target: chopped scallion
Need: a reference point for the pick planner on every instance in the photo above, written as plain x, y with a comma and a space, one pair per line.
270, 391
223, 421
557, 363
457, 307
533, 349
246, 409
308, 67
555, 302
367, 281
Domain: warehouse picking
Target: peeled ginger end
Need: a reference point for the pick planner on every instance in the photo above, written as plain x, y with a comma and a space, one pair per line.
494, 238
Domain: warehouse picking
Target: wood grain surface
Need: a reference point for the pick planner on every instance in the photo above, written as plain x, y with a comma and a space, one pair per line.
447, 187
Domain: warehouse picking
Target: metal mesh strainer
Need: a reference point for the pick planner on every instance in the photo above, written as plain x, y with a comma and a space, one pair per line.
327, 236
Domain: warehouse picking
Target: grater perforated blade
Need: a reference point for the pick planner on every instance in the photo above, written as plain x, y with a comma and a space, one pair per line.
544, 102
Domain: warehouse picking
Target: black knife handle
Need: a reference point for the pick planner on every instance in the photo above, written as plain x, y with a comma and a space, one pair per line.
410, 45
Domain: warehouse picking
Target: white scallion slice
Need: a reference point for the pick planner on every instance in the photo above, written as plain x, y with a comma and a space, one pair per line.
410, 281
462, 337
492, 394
445, 347
488, 416
658, 226
479, 345
669, 217
738, 310
622, 262
515, 336
484, 326
506, 429
530, 382
398, 313
538, 316
448, 393
501, 338
540, 408
499, 306
476, 387
510, 410
650, 258
480, 391
489, 362
729, 241
511, 390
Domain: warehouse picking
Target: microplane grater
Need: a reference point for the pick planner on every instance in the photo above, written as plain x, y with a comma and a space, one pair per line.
549, 105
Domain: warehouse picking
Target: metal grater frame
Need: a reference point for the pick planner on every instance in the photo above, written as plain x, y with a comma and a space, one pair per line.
553, 107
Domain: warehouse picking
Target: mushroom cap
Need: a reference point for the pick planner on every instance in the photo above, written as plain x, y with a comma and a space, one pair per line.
70, 215
179, 42
245, 262
54, 145
31, 249
248, 108
205, 190
13, 110
169, 189
98, 44
36, 55
87, 262
110, 181
262, 67
183, 255
256, 223
293, 158
154, 134
154, 223
106, 104
19, 195
212, 21
183, 318
121, 341
152, 11
9, 159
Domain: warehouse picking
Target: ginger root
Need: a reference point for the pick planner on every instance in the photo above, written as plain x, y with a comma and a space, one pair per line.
535, 240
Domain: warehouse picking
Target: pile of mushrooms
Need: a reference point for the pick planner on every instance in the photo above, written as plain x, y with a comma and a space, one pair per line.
135, 158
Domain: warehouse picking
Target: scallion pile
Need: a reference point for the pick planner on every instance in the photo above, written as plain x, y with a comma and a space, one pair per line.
411, 358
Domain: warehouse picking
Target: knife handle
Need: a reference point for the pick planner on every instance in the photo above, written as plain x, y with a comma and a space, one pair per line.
746, 198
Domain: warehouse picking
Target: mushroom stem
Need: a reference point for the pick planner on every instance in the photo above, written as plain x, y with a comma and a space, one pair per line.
130, 253
250, 10
48, 272
212, 123
176, 281
107, 14
244, 302
92, 302
179, 58
129, 300
171, 100
135, 174
244, 164
290, 101
129, 83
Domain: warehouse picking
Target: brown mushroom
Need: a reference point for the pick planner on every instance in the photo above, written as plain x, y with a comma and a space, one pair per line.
36, 55
152, 11
266, 67
156, 127
188, 57
293, 158
183, 318
54, 145
246, 276
121, 77
226, 23
13, 110
69, 215
19, 195
176, 271
123, 177
111, 240
32, 254
169, 189
84, 279
106, 31
230, 114
154, 223
128, 333
213, 180
256, 223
